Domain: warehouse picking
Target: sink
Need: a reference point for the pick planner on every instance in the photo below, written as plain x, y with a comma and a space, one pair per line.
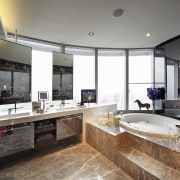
66, 108
9, 116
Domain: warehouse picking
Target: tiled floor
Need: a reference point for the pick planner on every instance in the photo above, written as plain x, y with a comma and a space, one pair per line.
80, 162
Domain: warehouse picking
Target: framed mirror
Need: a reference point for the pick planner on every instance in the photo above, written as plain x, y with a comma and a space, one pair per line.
15, 73
62, 76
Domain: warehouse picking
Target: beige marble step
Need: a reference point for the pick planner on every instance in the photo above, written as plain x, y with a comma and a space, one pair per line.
141, 166
153, 147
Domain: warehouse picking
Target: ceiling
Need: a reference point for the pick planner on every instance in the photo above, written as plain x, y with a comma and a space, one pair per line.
70, 21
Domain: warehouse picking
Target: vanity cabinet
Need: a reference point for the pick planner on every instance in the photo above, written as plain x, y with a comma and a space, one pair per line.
69, 126
19, 137
60, 128
24, 136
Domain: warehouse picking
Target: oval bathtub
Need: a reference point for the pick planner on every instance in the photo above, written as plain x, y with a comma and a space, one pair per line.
151, 125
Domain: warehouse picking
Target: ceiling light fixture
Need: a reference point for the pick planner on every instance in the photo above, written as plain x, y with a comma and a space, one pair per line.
118, 13
91, 34
148, 35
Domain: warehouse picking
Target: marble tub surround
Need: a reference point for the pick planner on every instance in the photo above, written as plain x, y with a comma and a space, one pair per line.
80, 162
101, 140
140, 157
172, 144
110, 130
157, 151
142, 167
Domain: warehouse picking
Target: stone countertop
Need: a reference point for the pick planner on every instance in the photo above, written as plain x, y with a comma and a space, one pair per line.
33, 116
54, 113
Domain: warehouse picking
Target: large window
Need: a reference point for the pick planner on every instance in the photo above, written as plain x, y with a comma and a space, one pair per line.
121, 76
111, 77
83, 70
140, 76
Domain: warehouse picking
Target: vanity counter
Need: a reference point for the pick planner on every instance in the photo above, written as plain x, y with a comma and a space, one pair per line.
37, 116
89, 113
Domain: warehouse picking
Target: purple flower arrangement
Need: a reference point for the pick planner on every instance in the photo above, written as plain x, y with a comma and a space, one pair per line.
156, 93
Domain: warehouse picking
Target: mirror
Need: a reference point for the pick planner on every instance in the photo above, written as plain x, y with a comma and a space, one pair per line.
15, 73
62, 76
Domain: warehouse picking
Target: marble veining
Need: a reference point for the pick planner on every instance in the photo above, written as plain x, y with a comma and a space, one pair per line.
80, 162
138, 156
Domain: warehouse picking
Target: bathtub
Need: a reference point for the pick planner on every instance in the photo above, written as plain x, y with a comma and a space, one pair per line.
151, 125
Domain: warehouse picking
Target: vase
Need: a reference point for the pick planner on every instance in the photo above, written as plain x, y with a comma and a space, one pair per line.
116, 123
153, 107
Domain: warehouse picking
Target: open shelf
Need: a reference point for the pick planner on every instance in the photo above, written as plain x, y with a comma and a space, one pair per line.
45, 129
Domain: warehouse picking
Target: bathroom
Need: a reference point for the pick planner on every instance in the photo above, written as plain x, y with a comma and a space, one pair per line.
89, 73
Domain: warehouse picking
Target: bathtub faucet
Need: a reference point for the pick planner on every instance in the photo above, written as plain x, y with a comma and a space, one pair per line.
121, 113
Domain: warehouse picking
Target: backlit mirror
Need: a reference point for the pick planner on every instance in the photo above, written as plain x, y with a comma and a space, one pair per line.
62, 76
15, 72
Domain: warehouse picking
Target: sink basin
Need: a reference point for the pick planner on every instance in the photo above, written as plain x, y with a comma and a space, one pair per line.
8, 116
65, 108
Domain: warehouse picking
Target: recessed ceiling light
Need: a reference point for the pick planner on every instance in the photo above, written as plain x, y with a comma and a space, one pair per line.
148, 35
91, 34
118, 12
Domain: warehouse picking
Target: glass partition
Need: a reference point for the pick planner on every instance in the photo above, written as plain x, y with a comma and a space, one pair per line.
159, 67
172, 70
159, 74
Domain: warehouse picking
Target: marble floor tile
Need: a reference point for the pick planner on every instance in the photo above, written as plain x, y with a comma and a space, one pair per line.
79, 162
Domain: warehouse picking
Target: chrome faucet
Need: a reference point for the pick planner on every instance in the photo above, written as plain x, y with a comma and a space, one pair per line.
62, 104
10, 110
15, 107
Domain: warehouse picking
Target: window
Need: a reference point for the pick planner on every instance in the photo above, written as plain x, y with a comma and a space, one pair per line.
83, 70
140, 76
111, 77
